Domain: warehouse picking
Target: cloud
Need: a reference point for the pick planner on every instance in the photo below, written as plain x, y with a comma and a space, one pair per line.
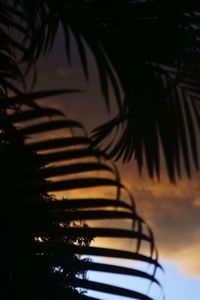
196, 201
173, 212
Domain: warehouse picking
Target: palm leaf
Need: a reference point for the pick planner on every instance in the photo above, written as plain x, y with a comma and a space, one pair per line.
147, 51
66, 161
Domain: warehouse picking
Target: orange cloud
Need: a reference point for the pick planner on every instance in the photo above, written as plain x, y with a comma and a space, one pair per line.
173, 212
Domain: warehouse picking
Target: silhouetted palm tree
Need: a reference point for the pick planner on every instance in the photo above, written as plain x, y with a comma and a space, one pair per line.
148, 51
39, 154
38, 232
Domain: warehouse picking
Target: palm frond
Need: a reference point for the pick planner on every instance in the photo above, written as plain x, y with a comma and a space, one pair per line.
9, 70
62, 158
154, 49
148, 51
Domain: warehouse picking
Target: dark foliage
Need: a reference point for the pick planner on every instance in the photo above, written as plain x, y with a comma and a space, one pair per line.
148, 50
154, 48
27, 220
43, 238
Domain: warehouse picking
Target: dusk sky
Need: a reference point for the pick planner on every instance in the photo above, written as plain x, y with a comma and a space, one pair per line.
173, 211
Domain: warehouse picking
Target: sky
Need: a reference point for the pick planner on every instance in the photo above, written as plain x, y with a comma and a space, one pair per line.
177, 285
173, 211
